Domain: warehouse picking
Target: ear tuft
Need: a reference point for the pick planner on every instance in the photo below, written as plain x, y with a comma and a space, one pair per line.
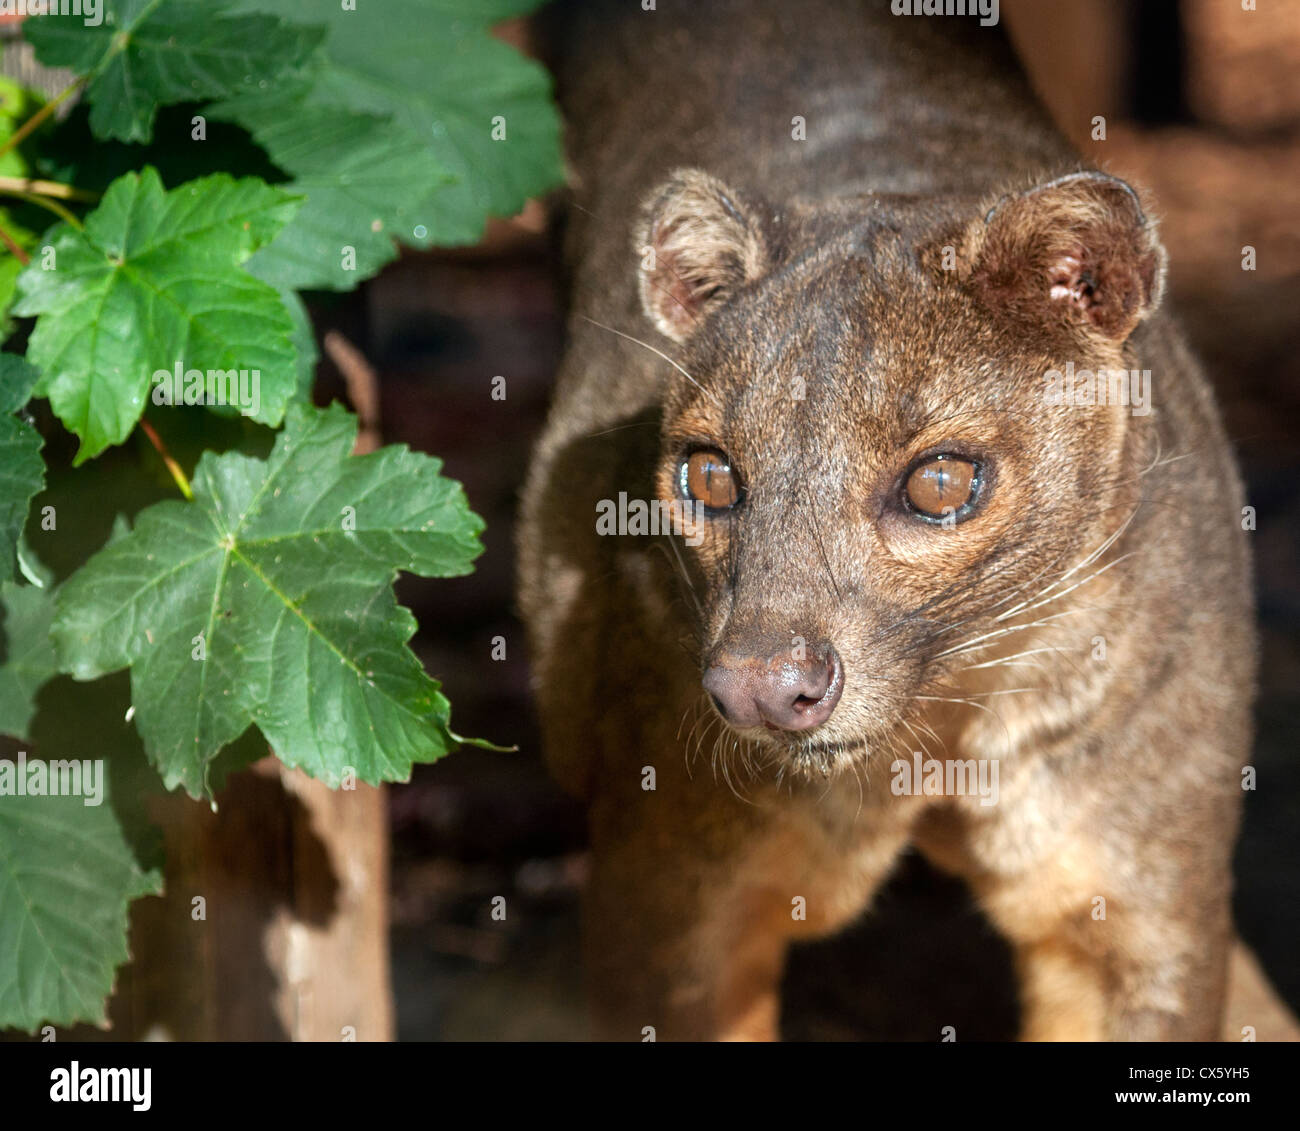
698, 244
1078, 249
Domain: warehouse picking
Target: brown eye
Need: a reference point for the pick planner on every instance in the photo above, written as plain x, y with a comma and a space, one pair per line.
942, 486
707, 478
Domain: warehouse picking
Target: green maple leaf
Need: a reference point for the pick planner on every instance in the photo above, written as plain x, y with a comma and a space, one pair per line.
67, 870
435, 79
361, 191
29, 658
149, 53
268, 600
67, 876
17, 380
155, 280
22, 475
22, 471
304, 341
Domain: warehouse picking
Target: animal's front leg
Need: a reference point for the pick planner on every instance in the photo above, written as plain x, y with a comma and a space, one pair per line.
1132, 967
680, 946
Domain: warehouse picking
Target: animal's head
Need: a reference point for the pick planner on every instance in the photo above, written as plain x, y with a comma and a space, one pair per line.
865, 410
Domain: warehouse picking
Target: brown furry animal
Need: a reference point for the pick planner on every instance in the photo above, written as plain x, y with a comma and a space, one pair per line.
839, 296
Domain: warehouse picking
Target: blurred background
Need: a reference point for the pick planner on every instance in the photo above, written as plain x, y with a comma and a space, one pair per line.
1201, 104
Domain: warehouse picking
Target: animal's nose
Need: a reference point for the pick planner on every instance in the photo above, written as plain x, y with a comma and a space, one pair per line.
781, 692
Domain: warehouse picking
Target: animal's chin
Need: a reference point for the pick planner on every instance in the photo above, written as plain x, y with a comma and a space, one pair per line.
812, 754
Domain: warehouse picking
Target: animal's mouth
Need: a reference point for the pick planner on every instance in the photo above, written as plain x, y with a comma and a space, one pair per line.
811, 753
817, 752
849, 745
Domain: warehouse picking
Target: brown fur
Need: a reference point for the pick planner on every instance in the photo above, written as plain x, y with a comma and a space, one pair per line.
821, 266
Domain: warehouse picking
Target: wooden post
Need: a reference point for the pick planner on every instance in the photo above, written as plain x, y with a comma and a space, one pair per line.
274, 921
274, 925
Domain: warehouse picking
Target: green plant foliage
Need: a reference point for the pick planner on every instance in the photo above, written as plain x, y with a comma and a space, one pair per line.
67, 875
148, 53
257, 608
470, 132
151, 282
267, 601
22, 473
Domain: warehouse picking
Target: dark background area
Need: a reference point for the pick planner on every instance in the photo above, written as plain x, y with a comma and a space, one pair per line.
1202, 106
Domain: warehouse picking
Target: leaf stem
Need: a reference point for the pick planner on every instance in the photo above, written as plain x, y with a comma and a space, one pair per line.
20, 134
49, 206
172, 465
16, 251
46, 188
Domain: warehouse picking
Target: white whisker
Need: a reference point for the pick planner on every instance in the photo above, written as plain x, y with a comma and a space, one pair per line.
656, 352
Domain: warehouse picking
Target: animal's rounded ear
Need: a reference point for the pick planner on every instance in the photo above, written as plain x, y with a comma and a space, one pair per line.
1078, 250
698, 243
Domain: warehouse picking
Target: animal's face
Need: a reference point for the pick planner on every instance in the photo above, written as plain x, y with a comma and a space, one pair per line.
865, 417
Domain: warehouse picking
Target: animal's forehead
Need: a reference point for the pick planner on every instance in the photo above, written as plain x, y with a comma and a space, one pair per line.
843, 337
